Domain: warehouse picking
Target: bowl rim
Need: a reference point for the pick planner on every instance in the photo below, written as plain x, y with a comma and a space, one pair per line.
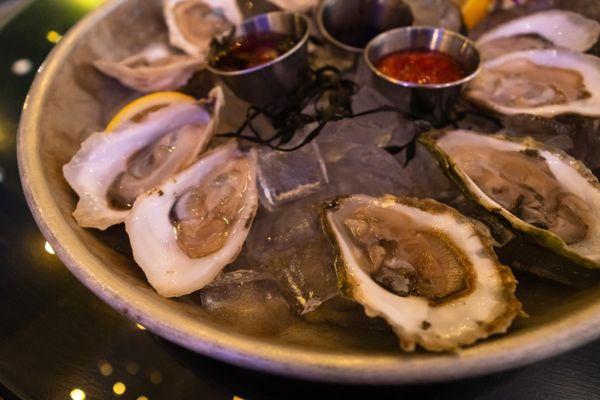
389, 34
510, 351
319, 13
301, 43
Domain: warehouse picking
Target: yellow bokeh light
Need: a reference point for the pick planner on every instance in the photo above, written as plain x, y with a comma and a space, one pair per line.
119, 388
53, 36
237, 398
105, 368
140, 326
77, 394
156, 377
142, 398
48, 248
132, 368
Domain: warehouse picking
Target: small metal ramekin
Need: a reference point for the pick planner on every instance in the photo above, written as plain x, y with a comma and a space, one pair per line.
267, 82
429, 101
334, 17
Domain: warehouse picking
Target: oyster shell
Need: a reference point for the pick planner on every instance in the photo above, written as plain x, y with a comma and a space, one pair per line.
423, 267
185, 231
193, 23
540, 191
541, 30
111, 169
156, 68
540, 82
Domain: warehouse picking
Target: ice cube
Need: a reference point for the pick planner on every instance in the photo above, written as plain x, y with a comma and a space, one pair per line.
424, 177
290, 244
249, 301
307, 273
378, 129
288, 176
367, 170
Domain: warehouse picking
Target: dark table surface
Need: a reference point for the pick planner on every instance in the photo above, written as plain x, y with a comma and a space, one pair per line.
58, 341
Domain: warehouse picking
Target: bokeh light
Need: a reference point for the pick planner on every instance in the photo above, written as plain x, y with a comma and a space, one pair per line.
119, 388
53, 36
105, 368
77, 394
48, 248
21, 67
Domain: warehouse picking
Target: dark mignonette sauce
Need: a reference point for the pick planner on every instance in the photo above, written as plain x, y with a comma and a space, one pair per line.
252, 50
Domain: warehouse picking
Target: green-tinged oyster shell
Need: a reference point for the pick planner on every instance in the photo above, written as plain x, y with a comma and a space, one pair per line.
573, 178
447, 290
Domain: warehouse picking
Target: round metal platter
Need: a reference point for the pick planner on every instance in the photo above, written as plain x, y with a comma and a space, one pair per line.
69, 99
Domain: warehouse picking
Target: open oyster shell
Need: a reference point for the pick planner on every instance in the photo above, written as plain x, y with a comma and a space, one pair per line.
193, 23
423, 267
156, 68
541, 30
187, 230
542, 192
539, 82
112, 168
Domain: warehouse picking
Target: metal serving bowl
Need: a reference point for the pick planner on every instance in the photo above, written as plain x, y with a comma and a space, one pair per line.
265, 83
341, 22
69, 100
431, 101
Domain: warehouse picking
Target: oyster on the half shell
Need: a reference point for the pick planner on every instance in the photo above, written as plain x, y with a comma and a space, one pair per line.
155, 68
423, 267
541, 30
112, 168
193, 23
541, 82
184, 232
542, 192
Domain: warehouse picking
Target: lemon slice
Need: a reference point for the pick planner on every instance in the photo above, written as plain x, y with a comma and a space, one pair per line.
139, 108
474, 11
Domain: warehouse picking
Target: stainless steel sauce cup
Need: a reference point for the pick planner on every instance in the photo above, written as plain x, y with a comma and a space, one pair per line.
350, 24
267, 82
429, 101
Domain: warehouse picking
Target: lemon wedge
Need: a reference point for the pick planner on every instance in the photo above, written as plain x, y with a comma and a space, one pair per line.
139, 108
474, 11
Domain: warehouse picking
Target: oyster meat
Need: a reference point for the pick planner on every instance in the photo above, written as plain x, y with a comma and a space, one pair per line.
541, 30
156, 68
540, 82
112, 168
193, 23
184, 232
423, 267
540, 191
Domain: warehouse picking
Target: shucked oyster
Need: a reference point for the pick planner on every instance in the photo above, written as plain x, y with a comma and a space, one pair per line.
111, 169
423, 267
540, 82
193, 23
540, 191
155, 68
541, 30
185, 231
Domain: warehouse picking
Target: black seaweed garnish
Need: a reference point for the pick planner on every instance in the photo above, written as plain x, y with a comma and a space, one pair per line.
326, 89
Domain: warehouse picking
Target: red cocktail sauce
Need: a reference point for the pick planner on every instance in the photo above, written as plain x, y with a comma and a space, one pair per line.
420, 66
